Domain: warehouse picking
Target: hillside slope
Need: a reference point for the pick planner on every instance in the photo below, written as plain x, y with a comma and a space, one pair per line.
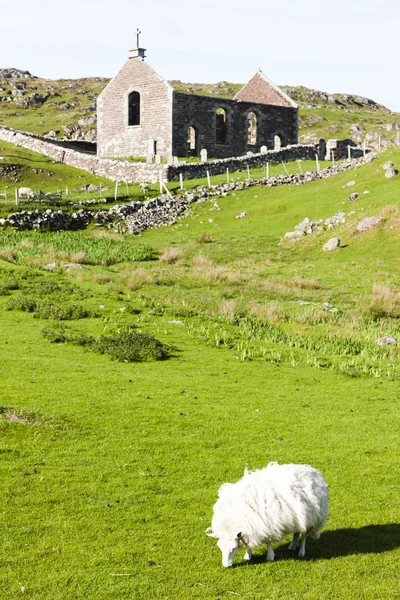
67, 108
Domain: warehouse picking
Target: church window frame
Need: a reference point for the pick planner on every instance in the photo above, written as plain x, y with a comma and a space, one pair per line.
134, 108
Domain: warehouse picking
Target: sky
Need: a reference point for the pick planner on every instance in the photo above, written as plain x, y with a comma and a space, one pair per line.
337, 46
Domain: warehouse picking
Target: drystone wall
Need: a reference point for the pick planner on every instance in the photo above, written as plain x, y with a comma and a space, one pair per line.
162, 211
112, 169
143, 172
239, 163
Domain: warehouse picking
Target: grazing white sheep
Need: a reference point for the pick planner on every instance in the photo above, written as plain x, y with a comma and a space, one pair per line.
25, 192
268, 504
144, 187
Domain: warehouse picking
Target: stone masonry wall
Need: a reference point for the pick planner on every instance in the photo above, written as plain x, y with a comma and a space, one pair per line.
200, 113
112, 169
114, 137
215, 167
128, 171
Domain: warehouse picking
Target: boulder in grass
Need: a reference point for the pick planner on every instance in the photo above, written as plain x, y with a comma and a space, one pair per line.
293, 235
368, 223
352, 197
386, 340
332, 244
391, 173
388, 165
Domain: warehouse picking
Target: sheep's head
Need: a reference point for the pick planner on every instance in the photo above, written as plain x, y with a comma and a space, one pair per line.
228, 546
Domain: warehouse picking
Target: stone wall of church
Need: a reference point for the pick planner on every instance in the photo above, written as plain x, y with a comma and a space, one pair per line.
200, 113
115, 138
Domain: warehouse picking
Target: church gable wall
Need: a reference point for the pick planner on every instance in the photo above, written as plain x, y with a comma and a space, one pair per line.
258, 89
115, 136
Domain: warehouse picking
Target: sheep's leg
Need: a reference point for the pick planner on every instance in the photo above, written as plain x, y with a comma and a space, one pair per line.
270, 553
295, 542
302, 551
249, 553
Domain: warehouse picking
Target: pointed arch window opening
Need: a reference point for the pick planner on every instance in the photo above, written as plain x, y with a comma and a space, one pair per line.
134, 109
221, 126
192, 141
252, 128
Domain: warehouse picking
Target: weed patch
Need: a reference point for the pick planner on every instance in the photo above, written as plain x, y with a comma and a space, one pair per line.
124, 346
48, 310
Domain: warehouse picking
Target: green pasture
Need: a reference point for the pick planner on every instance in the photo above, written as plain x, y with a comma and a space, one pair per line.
110, 468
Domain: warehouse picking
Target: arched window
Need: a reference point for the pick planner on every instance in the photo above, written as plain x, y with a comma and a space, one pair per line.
191, 141
252, 128
134, 108
278, 142
220, 126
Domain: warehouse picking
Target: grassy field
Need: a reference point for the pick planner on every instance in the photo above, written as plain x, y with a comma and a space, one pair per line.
110, 468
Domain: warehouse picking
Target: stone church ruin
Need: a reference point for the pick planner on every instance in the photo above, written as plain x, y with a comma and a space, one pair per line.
141, 114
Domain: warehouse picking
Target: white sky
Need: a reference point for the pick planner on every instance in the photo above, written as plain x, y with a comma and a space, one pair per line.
347, 46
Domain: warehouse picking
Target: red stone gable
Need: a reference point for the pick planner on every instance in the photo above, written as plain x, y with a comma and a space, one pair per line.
259, 89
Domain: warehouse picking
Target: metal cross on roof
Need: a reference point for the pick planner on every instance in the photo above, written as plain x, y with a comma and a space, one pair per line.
137, 33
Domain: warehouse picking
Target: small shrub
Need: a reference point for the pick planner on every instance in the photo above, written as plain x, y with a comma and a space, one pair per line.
23, 303
8, 254
136, 278
204, 238
272, 313
69, 312
171, 256
124, 346
101, 279
26, 244
385, 302
304, 284
228, 309
200, 261
78, 257
57, 335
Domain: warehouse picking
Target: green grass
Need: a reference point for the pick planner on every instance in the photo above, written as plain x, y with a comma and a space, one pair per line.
111, 469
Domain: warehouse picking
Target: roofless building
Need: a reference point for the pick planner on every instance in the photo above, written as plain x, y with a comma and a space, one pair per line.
141, 114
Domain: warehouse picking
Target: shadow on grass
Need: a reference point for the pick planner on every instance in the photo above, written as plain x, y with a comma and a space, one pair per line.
371, 539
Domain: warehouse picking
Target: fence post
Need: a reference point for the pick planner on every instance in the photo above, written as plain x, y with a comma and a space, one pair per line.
181, 181
267, 171
208, 178
161, 183
116, 190
364, 149
167, 190
66, 194
348, 153
227, 175
127, 189
16, 196
248, 172
317, 161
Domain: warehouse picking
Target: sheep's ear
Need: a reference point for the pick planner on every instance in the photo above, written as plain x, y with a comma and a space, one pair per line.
239, 535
